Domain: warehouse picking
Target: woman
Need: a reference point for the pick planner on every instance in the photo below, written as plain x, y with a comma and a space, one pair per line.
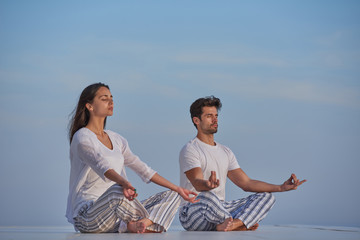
101, 199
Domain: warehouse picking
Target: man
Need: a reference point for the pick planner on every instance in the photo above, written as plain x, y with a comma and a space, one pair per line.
204, 168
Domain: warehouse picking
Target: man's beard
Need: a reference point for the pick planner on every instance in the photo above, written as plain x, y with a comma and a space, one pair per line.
211, 131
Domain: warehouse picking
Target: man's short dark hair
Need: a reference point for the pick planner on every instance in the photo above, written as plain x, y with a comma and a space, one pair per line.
196, 108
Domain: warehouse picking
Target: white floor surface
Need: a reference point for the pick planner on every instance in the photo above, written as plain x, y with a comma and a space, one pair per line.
291, 232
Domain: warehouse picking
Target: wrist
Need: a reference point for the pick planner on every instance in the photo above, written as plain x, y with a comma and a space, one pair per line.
177, 189
125, 184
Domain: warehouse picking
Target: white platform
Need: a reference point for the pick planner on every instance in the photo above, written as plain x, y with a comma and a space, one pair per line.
291, 232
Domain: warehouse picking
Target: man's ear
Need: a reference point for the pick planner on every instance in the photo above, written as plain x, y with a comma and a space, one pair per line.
196, 120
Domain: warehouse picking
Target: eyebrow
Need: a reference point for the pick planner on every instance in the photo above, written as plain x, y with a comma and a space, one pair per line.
105, 95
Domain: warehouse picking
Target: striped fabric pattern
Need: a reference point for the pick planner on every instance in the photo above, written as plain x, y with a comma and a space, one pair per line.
162, 208
112, 208
210, 211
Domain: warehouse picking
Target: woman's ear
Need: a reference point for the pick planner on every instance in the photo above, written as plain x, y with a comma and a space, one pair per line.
89, 107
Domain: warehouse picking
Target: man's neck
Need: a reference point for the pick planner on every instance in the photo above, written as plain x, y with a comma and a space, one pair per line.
206, 138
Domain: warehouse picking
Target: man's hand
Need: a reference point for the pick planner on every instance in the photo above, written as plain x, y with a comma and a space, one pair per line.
200, 183
129, 191
291, 184
213, 182
185, 194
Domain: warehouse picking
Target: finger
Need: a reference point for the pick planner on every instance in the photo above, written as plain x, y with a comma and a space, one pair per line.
296, 182
294, 177
211, 178
290, 180
195, 194
132, 196
188, 193
302, 182
195, 200
186, 198
214, 176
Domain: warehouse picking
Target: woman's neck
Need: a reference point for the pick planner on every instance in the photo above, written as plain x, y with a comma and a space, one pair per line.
96, 126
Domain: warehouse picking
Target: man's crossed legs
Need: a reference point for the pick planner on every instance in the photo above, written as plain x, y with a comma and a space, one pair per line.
212, 214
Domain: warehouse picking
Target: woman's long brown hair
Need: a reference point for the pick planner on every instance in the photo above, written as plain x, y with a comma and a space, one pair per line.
80, 115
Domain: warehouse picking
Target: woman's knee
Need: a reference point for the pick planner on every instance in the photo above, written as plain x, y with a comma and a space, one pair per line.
173, 194
114, 196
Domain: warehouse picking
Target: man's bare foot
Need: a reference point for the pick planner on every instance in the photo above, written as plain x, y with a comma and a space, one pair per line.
243, 228
225, 226
136, 227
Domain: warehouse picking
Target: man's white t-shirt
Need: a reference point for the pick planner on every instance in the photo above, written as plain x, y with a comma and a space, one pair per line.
218, 158
90, 159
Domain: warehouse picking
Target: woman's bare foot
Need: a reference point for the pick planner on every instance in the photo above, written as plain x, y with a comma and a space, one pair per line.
136, 227
243, 228
225, 226
149, 231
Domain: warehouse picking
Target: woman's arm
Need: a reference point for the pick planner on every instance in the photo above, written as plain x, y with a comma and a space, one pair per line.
128, 190
184, 193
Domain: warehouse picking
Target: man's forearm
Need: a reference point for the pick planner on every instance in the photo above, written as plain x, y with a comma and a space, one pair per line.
259, 186
201, 185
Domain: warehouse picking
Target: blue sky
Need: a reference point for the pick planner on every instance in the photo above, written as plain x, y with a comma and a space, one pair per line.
287, 73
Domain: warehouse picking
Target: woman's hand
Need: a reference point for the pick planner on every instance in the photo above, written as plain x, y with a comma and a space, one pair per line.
185, 194
129, 191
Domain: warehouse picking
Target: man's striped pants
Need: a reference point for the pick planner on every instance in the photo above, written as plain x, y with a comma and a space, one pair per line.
210, 211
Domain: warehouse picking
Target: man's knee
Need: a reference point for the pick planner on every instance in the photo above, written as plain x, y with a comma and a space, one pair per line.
269, 198
207, 195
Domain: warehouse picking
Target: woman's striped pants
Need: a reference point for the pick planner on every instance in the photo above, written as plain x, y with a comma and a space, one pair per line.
210, 211
112, 209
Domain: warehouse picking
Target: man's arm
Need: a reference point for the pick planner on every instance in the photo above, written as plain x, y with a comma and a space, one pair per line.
239, 177
196, 178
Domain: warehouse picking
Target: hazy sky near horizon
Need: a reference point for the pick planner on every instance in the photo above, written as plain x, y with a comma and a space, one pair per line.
287, 73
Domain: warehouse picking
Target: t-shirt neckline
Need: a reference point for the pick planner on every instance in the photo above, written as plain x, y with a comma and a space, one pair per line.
207, 145
112, 142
